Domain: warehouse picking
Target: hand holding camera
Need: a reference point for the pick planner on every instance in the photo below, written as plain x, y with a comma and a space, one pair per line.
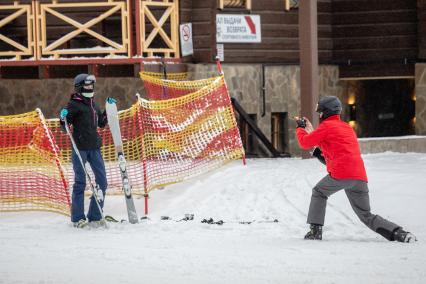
301, 121
304, 123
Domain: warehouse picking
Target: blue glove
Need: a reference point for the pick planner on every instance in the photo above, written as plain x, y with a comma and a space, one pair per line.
63, 113
111, 100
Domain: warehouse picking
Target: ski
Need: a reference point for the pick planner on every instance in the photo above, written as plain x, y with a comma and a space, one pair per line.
114, 126
210, 221
111, 219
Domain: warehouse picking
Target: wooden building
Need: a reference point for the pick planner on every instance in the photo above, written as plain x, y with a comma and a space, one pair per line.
371, 54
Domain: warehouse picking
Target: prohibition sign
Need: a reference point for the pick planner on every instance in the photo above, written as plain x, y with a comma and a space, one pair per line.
186, 33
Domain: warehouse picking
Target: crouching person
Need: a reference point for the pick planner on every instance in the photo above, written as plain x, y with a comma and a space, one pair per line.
337, 147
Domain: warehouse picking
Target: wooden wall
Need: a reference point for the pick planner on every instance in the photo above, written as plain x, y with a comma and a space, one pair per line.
375, 37
421, 32
280, 43
203, 18
366, 38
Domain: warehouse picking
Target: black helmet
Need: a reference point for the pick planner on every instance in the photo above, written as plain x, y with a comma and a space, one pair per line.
328, 106
85, 84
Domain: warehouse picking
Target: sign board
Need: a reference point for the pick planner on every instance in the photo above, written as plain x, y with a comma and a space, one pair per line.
186, 45
220, 51
238, 28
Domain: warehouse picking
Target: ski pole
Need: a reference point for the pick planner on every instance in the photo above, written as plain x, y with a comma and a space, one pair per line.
92, 187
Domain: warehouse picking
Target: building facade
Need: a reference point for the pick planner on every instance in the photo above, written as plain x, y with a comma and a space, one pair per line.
371, 54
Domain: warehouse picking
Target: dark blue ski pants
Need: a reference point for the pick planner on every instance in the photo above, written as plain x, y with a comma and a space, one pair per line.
94, 158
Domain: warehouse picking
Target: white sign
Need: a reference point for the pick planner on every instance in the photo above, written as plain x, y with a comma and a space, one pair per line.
238, 28
220, 51
186, 39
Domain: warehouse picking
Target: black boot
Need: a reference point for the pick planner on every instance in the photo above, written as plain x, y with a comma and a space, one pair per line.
315, 233
402, 236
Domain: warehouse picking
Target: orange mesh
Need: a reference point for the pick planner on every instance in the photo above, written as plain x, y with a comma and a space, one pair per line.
131, 133
189, 134
157, 88
31, 175
164, 141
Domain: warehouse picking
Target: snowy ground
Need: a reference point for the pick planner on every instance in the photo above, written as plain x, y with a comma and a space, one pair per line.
44, 248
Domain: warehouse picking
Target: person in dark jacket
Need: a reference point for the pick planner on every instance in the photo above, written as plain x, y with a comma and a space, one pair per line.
336, 145
85, 116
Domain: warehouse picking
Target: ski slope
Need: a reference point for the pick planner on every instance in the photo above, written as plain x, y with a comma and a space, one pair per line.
37, 247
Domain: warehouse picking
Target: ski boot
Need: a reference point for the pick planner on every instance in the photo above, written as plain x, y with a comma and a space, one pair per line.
315, 233
80, 223
402, 236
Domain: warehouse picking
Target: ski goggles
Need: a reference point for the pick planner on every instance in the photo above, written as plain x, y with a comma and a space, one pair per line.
90, 80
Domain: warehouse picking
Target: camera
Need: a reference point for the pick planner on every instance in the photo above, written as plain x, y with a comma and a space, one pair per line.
301, 122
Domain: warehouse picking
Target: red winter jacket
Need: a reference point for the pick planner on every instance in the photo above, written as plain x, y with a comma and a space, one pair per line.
339, 145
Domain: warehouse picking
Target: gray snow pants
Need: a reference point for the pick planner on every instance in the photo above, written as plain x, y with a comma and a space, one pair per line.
357, 193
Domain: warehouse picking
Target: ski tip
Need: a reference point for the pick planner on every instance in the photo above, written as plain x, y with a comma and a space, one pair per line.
109, 218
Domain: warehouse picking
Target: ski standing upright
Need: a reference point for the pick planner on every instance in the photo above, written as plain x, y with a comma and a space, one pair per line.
114, 126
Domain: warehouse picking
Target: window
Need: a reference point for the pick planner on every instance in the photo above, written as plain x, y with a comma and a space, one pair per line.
278, 131
247, 136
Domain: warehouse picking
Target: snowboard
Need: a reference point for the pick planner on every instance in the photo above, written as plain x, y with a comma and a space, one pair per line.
114, 126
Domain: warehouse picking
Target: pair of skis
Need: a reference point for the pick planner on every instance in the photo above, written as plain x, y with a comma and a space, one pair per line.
114, 126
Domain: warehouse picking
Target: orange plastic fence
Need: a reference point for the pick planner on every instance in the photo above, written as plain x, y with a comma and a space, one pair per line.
31, 174
165, 141
191, 133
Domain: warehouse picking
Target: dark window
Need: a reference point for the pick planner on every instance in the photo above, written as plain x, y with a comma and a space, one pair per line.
279, 130
385, 108
248, 137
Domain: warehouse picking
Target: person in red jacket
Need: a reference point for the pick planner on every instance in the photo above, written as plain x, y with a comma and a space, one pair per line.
335, 144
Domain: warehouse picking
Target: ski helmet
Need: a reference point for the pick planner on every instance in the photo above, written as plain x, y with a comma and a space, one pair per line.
85, 84
328, 106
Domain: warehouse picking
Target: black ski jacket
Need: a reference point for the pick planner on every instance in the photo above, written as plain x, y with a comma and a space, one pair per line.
85, 116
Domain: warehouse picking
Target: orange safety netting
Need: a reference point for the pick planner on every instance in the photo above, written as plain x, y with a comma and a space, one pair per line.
132, 137
157, 88
164, 141
189, 134
31, 174
167, 141
175, 76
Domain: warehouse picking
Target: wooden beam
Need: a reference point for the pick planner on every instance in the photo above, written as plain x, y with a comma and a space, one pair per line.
287, 5
158, 26
309, 78
19, 11
248, 4
83, 61
82, 28
221, 6
172, 40
94, 69
130, 49
43, 72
